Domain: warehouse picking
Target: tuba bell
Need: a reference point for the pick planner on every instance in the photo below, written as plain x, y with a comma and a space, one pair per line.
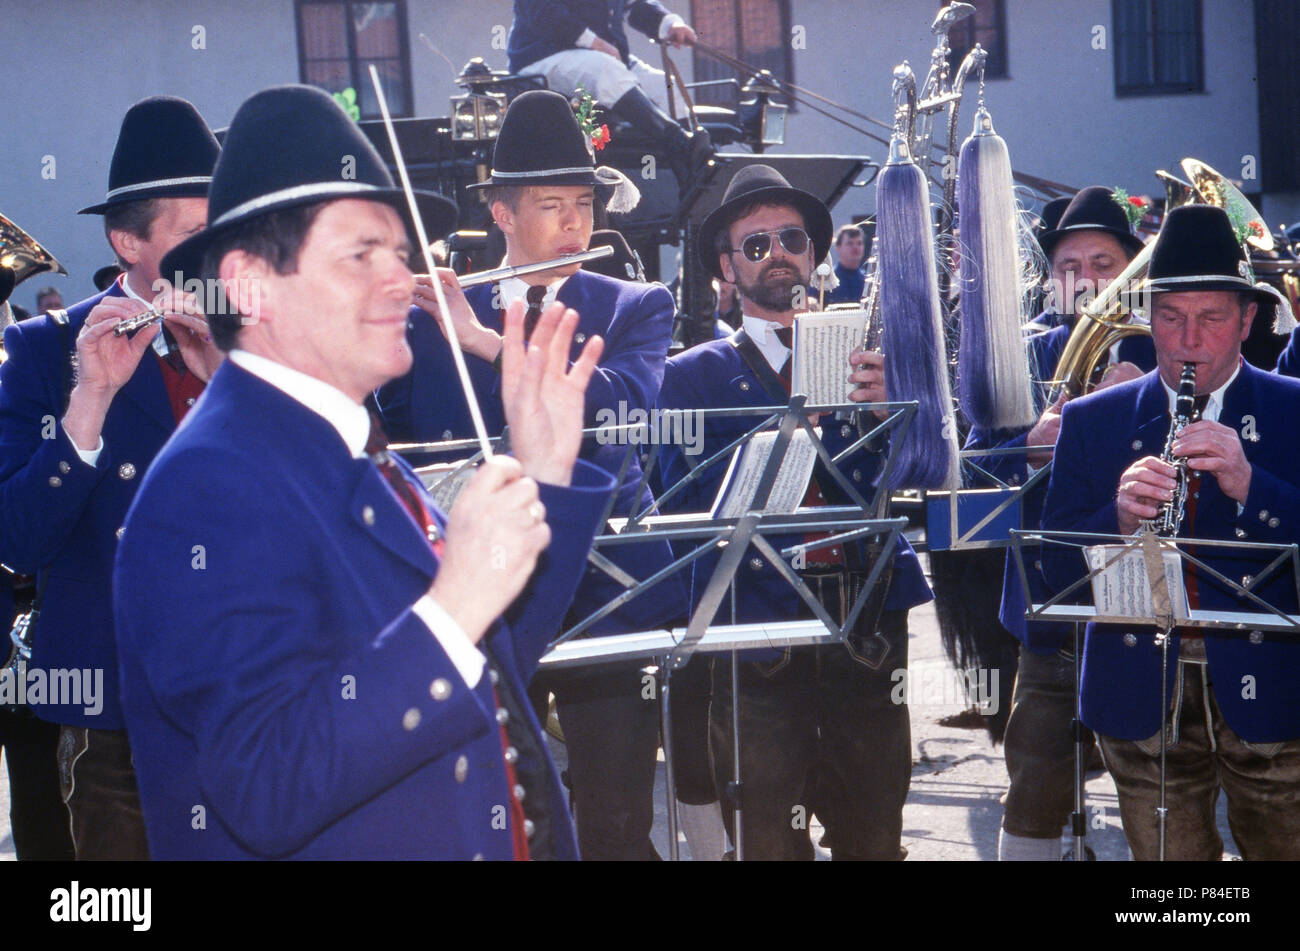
22, 256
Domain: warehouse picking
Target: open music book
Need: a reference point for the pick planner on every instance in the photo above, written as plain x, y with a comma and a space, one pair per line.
736, 494
822, 344
1123, 590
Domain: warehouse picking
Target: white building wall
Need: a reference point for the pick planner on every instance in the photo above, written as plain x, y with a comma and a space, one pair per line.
75, 66
1057, 109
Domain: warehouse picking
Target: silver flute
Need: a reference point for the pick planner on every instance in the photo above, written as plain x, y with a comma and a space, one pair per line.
131, 324
504, 273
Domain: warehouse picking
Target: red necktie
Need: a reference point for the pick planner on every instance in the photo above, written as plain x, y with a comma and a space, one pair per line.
377, 449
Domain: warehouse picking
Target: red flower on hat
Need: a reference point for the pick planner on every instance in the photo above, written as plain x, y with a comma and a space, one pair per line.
600, 138
1256, 228
1137, 201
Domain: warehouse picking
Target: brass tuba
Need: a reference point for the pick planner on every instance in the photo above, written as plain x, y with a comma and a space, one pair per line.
22, 256
1108, 319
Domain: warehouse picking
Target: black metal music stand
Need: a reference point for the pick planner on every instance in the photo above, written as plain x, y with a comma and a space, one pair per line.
1162, 617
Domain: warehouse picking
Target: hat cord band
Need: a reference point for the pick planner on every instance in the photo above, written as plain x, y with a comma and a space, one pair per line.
1200, 279
576, 170
312, 190
159, 183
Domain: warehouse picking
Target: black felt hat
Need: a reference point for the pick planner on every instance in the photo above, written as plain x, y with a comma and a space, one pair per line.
541, 143
289, 146
764, 184
1051, 215
164, 150
1197, 250
1093, 209
105, 276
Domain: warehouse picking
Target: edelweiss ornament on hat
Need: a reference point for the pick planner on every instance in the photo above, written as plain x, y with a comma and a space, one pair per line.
763, 183
164, 150
1093, 209
289, 146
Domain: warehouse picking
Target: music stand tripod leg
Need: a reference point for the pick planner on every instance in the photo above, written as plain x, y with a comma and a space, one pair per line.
735, 790
670, 778
1078, 819
1162, 812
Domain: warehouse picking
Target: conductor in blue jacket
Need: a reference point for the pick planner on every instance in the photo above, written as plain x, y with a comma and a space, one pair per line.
1234, 717
315, 663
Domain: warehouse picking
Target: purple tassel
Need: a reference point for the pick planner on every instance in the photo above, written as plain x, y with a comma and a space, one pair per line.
993, 386
916, 362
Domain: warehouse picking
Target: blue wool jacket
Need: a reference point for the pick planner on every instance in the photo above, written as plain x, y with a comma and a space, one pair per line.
284, 700
60, 516
635, 321
1256, 679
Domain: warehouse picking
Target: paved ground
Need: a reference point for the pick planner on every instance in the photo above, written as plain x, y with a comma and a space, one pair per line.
958, 776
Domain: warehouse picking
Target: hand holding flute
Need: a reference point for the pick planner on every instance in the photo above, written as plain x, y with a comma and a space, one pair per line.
473, 336
188, 326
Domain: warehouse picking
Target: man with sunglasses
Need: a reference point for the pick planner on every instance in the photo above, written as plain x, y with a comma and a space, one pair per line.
819, 730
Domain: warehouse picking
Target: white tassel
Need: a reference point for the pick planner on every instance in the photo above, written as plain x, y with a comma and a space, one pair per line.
626, 195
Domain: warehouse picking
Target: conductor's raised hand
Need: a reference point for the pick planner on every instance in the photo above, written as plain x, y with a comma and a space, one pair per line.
473, 336
495, 533
544, 396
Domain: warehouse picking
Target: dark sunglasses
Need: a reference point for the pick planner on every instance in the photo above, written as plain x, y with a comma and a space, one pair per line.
758, 246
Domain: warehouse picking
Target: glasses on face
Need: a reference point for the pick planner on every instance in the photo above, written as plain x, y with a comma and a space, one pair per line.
756, 247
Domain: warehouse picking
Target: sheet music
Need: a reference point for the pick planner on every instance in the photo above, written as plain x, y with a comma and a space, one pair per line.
1123, 590
740, 484
444, 483
822, 344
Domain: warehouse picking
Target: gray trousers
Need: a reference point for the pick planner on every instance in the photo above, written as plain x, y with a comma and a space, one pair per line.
1204, 755
1039, 747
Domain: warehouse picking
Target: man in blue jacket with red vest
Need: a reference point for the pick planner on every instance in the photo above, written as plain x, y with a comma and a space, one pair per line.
83, 412
1234, 716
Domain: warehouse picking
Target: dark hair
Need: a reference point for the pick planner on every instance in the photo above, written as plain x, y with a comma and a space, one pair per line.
276, 238
848, 231
722, 239
135, 217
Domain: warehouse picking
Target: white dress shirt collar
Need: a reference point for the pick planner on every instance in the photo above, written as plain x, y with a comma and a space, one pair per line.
516, 288
763, 333
350, 419
1215, 404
